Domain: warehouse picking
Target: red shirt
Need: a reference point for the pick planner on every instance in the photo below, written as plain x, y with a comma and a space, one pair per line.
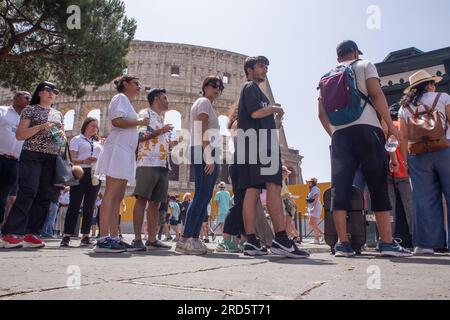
402, 170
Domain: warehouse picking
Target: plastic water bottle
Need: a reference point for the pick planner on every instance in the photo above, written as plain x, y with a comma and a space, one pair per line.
392, 144
57, 136
173, 135
94, 178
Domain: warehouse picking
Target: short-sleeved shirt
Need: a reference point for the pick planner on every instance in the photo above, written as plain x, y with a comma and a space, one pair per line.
223, 197
154, 152
121, 107
254, 173
9, 122
43, 141
175, 210
364, 71
428, 100
315, 191
86, 148
203, 106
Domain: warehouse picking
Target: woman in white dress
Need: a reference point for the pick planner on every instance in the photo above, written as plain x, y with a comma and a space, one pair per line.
118, 161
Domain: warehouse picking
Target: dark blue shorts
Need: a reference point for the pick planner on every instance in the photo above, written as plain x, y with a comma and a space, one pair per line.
360, 145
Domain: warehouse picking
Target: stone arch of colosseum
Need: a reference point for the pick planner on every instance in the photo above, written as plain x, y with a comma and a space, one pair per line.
180, 69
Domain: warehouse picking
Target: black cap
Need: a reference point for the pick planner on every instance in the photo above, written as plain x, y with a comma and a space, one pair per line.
153, 93
346, 47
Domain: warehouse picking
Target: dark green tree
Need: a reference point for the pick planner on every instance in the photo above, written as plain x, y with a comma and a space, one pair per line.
72, 46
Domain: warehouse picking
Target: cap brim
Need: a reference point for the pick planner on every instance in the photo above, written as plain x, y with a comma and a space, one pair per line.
360, 52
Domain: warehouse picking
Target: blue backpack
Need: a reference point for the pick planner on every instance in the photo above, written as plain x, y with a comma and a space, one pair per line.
342, 100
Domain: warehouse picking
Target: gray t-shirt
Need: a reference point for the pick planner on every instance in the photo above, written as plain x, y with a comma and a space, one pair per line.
364, 70
203, 105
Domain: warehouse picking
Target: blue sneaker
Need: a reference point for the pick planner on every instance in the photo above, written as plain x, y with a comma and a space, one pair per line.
109, 245
393, 250
344, 250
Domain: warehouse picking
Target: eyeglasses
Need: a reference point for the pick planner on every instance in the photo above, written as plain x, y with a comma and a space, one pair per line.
28, 98
137, 83
51, 90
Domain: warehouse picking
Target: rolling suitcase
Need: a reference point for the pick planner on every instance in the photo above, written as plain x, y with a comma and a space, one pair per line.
356, 221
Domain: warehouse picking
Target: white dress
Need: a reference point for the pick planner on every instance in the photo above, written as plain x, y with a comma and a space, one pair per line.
118, 158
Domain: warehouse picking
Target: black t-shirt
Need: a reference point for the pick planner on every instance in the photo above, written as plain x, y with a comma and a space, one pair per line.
251, 171
253, 99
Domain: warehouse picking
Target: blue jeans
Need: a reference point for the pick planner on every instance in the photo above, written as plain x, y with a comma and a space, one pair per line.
51, 218
430, 178
204, 187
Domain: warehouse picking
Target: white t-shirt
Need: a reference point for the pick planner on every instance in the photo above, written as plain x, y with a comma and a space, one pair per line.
155, 152
121, 107
85, 148
428, 99
203, 105
9, 122
364, 70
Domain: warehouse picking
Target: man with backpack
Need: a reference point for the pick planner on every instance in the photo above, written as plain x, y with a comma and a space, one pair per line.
350, 98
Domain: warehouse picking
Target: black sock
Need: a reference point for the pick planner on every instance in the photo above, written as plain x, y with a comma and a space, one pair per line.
281, 236
251, 238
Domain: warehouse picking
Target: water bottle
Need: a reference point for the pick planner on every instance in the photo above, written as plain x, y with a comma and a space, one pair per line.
94, 178
56, 133
392, 144
173, 135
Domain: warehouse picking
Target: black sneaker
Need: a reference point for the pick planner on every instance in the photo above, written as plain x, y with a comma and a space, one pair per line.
65, 242
254, 250
85, 242
288, 249
109, 246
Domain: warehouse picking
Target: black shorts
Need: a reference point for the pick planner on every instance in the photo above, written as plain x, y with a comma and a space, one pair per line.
14, 190
360, 145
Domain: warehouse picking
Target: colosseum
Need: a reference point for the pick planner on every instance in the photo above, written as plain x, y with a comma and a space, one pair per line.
180, 69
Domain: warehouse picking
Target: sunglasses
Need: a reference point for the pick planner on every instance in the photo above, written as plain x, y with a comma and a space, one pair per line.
216, 86
51, 90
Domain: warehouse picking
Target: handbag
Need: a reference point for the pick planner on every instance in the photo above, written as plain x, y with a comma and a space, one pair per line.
63, 170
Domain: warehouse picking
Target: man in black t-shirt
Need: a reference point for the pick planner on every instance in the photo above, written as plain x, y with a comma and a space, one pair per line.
259, 161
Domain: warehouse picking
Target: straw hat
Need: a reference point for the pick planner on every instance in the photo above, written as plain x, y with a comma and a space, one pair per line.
313, 180
421, 77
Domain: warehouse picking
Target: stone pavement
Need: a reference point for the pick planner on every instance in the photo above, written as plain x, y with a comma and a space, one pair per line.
46, 274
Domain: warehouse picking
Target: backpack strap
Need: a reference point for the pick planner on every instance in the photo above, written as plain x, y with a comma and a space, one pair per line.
363, 96
436, 101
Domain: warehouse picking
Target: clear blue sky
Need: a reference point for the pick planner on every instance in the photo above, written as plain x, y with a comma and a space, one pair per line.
300, 38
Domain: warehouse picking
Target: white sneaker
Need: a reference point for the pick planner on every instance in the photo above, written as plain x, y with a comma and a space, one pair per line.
423, 251
315, 242
2, 244
189, 247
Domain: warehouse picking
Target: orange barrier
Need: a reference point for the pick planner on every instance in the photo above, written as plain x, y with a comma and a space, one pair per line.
300, 191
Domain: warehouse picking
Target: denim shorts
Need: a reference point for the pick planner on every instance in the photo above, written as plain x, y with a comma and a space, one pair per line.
352, 147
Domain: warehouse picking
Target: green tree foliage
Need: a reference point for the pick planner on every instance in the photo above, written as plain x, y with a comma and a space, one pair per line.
40, 40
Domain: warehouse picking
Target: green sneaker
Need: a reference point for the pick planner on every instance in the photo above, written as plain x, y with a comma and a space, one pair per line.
222, 246
232, 247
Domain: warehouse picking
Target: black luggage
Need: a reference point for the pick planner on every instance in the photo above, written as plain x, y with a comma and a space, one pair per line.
356, 221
